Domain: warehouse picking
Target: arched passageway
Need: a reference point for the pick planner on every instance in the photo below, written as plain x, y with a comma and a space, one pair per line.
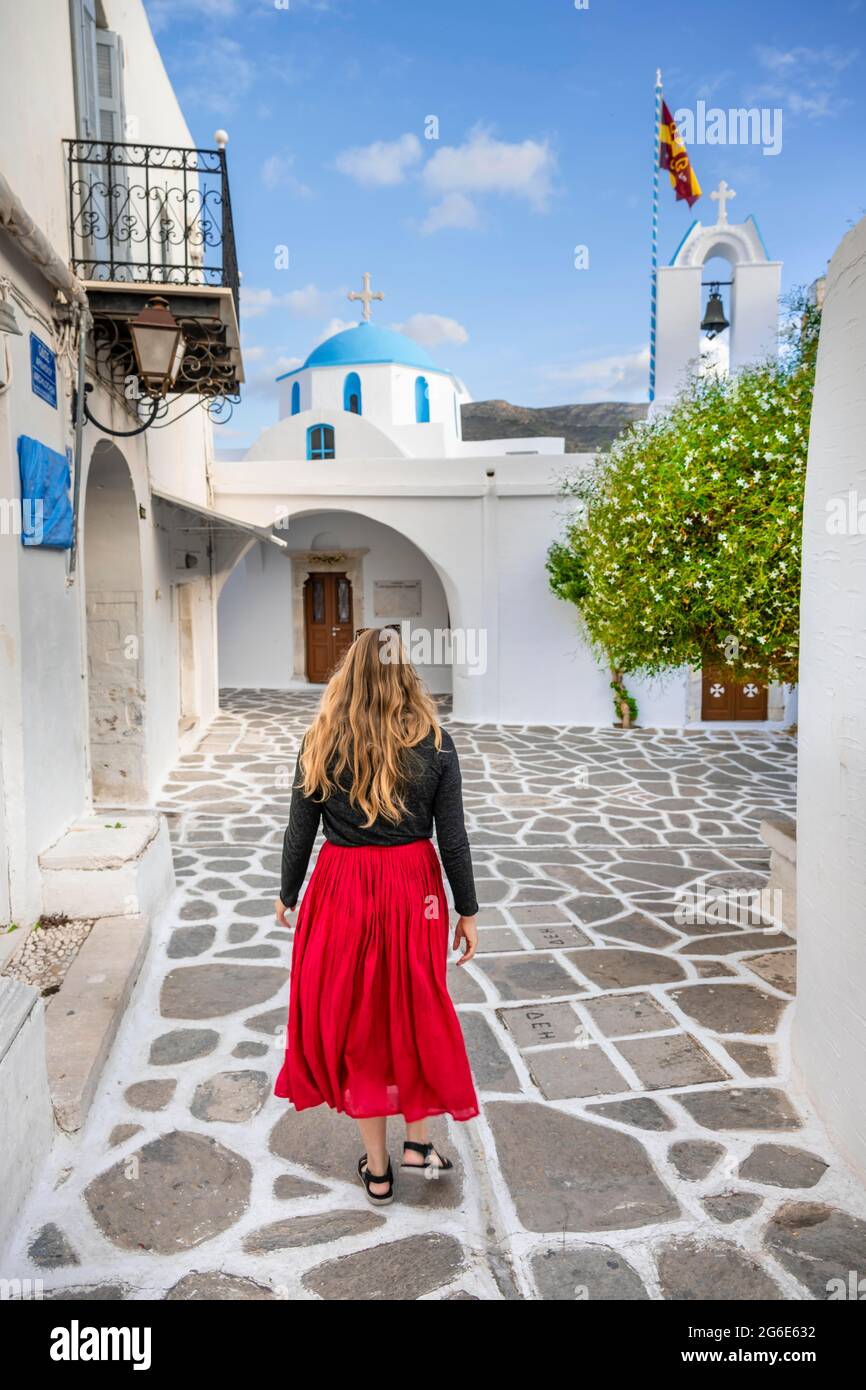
285, 617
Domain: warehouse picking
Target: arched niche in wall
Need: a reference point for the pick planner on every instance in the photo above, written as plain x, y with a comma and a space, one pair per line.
422, 401
115, 624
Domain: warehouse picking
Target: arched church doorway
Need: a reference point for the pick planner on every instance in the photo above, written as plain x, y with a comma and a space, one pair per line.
342, 571
114, 618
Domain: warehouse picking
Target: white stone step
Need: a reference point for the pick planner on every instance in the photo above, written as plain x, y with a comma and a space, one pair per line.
111, 865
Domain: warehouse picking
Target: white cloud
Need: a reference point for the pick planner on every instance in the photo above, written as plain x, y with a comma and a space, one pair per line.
162, 13
278, 172
622, 377
805, 80
821, 104
263, 365
483, 164
430, 330
310, 300
302, 303
335, 326
254, 303
802, 59
382, 164
455, 210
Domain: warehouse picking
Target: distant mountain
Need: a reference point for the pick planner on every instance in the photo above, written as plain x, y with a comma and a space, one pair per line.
585, 428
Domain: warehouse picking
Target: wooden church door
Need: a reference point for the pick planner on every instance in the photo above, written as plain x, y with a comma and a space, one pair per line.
723, 698
328, 623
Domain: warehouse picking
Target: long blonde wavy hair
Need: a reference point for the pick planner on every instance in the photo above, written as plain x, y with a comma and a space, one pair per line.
373, 713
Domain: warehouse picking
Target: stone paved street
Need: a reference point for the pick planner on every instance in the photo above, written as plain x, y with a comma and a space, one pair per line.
641, 1136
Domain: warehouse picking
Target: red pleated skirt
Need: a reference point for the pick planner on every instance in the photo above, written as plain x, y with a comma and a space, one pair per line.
372, 1030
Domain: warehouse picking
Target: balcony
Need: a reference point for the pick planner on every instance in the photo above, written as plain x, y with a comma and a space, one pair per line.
149, 220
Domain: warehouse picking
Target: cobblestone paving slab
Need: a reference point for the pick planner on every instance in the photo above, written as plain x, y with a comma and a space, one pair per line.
640, 1134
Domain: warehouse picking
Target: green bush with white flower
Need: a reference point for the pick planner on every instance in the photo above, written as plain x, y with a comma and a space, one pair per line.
684, 547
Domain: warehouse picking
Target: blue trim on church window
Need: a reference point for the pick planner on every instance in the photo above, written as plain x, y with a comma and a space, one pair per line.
422, 401
320, 442
352, 394
296, 398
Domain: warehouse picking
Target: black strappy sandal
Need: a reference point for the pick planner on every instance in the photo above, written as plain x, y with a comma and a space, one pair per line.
378, 1200
430, 1170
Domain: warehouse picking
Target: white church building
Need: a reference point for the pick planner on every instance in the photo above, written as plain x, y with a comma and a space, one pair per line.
382, 513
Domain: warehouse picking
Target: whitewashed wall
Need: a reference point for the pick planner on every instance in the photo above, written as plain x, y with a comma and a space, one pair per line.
539, 632
387, 395
829, 1036
485, 526
261, 653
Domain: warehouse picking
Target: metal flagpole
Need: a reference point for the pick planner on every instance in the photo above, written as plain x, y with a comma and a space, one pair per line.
655, 238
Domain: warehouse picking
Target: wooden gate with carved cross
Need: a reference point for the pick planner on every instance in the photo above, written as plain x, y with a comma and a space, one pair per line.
724, 698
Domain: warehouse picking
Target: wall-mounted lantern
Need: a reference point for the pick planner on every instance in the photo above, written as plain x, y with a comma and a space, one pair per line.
158, 345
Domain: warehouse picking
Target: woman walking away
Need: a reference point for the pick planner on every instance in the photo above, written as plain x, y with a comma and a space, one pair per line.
372, 1030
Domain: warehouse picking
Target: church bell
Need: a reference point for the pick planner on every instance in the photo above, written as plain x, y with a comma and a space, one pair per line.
714, 321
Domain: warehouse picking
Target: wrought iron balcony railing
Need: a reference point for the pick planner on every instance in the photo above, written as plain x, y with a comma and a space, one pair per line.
154, 219
151, 215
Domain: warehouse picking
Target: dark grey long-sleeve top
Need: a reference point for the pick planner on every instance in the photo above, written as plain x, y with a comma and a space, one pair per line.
433, 796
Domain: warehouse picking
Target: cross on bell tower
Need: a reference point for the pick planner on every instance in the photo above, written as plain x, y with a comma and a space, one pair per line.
366, 296
721, 196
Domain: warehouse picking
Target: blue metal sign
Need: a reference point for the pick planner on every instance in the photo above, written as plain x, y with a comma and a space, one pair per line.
43, 370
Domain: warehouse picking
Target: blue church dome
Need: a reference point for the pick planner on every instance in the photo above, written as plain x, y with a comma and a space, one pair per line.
367, 342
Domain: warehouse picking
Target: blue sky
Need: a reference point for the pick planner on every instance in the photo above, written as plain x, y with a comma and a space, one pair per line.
545, 137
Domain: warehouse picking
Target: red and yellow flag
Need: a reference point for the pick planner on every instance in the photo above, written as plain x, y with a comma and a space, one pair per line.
674, 157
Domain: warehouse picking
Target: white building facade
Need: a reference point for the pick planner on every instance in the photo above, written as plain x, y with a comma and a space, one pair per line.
107, 668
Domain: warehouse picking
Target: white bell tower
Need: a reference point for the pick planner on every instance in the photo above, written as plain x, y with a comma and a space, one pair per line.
754, 298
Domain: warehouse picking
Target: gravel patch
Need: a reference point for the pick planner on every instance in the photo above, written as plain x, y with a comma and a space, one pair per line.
47, 952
